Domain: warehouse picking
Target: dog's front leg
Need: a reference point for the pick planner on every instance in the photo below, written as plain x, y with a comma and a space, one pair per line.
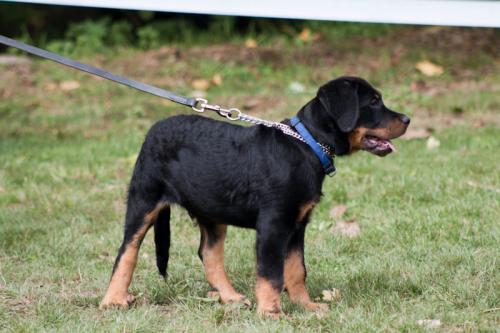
272, 240
211, 253
295, 272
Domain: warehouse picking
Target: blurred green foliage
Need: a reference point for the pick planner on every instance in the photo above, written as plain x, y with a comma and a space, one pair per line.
84, 31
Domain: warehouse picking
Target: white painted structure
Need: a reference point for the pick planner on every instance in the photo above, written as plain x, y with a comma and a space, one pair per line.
480, 13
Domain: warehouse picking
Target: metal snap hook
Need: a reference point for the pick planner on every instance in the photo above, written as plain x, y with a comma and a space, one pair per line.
202, 103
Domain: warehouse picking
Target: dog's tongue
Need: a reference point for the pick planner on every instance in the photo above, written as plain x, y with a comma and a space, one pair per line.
389, 145
381, 144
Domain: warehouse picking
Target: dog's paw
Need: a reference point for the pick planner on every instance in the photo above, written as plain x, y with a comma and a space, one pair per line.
231, 298
317, 307
123, 301
274, 314
213, 294
236, 298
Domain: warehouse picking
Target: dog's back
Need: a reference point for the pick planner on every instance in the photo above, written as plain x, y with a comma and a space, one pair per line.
213, 168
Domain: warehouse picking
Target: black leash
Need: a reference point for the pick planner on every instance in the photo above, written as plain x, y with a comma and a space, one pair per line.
191, 102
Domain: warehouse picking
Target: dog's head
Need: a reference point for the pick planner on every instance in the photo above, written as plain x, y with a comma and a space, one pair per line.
358, 111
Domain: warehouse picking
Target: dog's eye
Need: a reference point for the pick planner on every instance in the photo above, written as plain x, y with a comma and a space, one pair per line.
374, 100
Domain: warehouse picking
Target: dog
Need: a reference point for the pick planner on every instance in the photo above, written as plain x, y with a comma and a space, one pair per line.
252, 177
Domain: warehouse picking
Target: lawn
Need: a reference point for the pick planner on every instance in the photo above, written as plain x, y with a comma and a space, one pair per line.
429, 246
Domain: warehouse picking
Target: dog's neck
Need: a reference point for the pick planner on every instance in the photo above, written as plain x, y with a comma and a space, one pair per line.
323, 127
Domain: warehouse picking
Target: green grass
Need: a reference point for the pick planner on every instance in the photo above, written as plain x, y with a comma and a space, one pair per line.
429, 246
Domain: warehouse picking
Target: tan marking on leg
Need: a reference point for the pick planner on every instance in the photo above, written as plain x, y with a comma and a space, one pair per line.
295, 278
150, 217
305, 209
268, 298
117, 293
213, 262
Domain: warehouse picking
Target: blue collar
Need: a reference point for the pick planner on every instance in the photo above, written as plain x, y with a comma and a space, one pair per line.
325, 160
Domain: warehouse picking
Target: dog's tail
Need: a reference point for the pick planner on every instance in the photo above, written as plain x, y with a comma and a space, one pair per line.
162, 240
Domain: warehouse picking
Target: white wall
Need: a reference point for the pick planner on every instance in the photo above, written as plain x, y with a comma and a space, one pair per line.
483, 13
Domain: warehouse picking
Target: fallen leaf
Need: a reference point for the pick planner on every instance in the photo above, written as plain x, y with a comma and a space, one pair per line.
69, 85
217, 79
429, 323
429, 69
338, 211
251, 104
296, 87
416, 133
200, 84
250, 43
331, 295
432, 143
305, 35
2, 189
349, 229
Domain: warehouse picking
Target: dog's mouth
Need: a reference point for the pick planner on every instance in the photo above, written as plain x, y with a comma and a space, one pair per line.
378, 146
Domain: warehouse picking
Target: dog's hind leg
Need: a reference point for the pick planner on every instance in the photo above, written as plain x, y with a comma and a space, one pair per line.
141, 214
211, 253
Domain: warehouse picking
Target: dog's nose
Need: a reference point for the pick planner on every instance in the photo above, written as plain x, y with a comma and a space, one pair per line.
404, 119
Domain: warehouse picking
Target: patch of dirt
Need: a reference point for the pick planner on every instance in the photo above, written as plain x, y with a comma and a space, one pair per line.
424, 120
465, 40
437, 88
338, 211
234, 53
348, 229
16, 75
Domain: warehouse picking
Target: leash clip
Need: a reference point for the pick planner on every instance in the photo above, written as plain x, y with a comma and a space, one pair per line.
202, 104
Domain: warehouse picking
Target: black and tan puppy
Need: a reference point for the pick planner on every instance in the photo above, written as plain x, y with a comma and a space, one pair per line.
251, 177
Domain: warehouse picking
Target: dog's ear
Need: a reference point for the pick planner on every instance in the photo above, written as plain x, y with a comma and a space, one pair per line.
340, 99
